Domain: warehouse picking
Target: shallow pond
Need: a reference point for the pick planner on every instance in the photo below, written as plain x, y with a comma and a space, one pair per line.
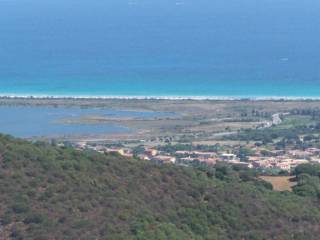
21, 121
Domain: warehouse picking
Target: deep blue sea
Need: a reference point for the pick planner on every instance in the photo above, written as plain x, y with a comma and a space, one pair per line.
247, 48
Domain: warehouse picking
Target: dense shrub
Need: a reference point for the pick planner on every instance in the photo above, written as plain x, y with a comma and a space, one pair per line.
49, 192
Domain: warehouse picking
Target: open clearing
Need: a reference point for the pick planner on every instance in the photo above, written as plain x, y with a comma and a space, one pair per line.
280, 183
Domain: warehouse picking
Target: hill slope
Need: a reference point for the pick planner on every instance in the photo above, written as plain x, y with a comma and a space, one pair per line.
53, 193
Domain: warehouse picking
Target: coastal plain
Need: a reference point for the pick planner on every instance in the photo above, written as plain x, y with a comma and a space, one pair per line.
174, 121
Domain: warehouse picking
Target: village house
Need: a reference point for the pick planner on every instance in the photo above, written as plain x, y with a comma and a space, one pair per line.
205, 154
315, 160
313, 151
295, 162
228, 156
286, 166
183, 153
120, 151
151, 152
186, 160
299, 154
211, 161
144, 157
80, 145
196, 154
164, 159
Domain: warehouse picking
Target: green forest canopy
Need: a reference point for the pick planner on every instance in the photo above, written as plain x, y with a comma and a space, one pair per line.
51, 192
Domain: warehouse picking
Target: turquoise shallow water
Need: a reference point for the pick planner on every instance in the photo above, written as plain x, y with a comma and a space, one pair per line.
168, 48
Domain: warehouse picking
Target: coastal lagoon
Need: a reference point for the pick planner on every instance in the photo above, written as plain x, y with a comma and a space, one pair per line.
32, 121
219, 48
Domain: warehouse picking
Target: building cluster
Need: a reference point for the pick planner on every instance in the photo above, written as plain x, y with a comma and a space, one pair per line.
259, 158
285, 160
279, 160
192, 157
282, 162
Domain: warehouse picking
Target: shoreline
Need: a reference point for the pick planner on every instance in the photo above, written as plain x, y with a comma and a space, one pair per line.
154, 97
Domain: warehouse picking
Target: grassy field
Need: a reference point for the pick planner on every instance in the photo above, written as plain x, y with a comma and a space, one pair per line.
280, 183
294, 121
